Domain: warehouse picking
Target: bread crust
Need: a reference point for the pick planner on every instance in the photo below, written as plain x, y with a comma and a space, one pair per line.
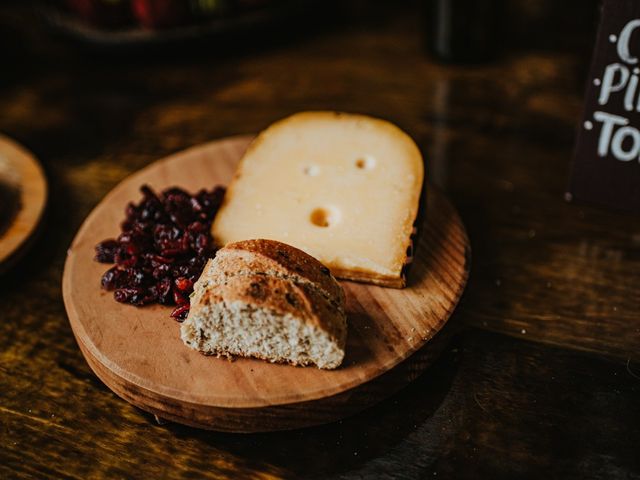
256, 275
278, 259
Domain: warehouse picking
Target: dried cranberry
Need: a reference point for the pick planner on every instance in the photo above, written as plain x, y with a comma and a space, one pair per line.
106, 250
123, 259
157, 260
197, 262
110, 278
132, 249
162, 249
183, 284
163, 291
125, 295
160, 271
211, 201
181, 271
201, 243
163, 232
134, 296
131, 211
150, 197
197, 227
180, 298
180, 312
136, 277
195, 204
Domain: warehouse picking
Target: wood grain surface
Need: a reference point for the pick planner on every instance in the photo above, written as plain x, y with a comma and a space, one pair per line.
31, 200
541, 378
138, 353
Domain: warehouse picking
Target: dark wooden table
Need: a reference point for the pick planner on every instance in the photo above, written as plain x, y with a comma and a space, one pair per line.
543, 378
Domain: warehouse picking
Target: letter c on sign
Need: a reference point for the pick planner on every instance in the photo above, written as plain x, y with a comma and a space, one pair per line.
623, 41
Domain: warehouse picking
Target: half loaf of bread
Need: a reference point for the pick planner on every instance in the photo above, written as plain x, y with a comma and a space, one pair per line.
268, 300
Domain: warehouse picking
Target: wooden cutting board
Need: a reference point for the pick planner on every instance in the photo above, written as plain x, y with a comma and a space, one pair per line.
19, 223
137, 352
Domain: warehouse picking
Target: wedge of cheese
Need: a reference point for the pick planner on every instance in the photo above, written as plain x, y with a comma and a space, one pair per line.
344, 188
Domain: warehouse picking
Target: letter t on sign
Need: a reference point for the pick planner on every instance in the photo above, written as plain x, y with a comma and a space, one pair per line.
606, 165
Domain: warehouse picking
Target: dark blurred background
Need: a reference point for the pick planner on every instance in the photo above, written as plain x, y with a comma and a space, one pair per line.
105, 66
97, 97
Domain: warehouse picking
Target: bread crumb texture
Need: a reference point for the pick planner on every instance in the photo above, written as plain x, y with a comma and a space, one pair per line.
268, 300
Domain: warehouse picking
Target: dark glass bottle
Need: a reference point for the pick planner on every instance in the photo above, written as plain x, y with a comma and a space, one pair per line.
464, 31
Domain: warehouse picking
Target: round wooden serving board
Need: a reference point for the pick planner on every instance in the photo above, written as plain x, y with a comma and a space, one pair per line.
31, 201
138, 353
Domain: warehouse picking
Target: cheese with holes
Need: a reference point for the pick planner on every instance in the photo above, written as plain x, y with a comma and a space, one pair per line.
344, 188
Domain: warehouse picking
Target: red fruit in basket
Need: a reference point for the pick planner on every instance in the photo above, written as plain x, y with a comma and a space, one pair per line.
160, 13
106, 13
207, 8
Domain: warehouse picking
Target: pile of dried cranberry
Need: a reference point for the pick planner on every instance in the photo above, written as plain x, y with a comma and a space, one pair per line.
164, 245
